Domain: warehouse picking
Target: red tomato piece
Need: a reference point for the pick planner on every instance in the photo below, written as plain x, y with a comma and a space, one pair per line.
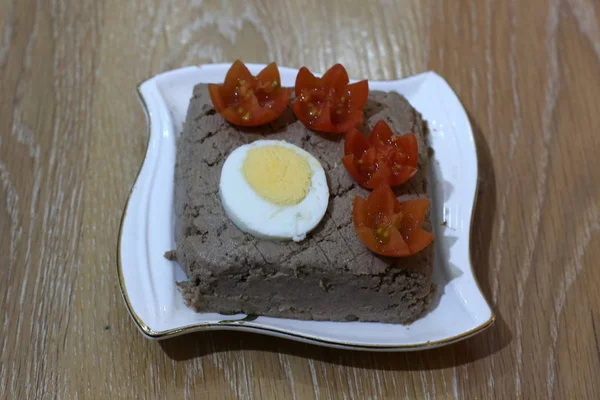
329, 104
388, 227
246, 100
381, 159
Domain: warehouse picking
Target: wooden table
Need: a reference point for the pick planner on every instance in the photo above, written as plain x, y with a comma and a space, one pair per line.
73, 136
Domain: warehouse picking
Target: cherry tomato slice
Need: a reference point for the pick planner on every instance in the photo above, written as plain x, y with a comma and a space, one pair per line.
247, 100
413, 215
419, 240
329, 104
383, 158
390, 228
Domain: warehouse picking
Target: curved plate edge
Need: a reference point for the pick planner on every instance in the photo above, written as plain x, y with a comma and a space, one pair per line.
247, 326
474, 205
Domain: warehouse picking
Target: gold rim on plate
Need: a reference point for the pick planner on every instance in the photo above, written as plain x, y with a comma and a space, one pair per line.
271, 331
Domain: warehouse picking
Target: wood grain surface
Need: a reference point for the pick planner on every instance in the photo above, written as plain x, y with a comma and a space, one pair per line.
72, 137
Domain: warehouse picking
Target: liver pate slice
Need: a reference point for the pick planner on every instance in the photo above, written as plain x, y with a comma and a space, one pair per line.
330, 275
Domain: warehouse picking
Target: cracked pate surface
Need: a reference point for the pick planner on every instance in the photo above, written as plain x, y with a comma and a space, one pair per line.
330, 275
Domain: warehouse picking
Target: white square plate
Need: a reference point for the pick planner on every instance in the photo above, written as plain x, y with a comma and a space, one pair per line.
148, 280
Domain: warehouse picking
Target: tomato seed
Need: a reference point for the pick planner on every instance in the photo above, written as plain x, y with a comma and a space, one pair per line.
382, 234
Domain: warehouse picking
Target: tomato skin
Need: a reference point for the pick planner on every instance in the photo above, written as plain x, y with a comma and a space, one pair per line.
388, 227
329, 104
246, 100
382, 158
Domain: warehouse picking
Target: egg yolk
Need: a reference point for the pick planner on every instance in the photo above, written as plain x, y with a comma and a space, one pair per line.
278, 174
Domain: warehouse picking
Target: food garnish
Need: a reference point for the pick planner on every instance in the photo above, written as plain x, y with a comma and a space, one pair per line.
382, 158
246, 100
389, 227
329, 104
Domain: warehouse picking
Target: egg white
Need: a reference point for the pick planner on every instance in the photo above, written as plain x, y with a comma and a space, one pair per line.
261, 218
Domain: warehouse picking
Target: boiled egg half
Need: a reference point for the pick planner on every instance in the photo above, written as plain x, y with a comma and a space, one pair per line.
273, 190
